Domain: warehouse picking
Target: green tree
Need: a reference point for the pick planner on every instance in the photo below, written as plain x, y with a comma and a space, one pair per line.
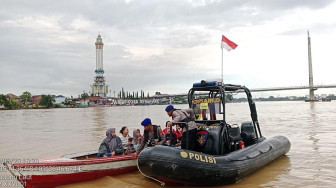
47, 101
179, 100
3, 100
36, 105
228, 98
84, 96
122, 92
26, 97
142, 94
9, 103
12, 104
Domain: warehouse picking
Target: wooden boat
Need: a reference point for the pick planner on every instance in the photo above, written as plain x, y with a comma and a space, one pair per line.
225, 152
70, 168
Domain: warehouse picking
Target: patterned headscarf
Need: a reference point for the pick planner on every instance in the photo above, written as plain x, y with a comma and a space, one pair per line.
135, 138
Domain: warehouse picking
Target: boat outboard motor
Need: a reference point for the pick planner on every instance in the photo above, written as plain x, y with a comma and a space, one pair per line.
248, 133
234, 136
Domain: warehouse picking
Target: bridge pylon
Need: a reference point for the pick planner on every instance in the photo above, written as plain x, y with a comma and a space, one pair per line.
311, 83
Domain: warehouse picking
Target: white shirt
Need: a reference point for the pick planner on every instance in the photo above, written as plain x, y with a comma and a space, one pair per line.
124, 140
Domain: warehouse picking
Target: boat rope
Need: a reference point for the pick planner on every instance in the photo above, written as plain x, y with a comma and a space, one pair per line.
161, 182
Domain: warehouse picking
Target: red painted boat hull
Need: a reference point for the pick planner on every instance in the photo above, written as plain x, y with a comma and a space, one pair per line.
49, 181
64, 170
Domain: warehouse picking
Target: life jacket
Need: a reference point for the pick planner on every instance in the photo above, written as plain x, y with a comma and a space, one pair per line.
156, 135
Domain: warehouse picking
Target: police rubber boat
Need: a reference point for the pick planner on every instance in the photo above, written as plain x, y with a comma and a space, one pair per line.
225, 152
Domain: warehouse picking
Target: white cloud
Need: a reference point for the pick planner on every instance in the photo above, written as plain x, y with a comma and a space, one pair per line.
163, 45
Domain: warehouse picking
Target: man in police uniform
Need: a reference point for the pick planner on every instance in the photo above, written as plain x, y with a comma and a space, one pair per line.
151, 134
187, 116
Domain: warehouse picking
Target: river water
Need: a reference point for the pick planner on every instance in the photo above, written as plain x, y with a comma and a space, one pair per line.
31, 134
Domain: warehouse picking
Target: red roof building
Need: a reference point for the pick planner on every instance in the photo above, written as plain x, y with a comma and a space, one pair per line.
11, 96
36, 99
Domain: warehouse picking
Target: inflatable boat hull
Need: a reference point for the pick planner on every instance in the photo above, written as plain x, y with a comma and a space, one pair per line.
174, 165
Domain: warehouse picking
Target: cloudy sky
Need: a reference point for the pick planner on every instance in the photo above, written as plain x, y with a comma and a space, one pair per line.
47, 46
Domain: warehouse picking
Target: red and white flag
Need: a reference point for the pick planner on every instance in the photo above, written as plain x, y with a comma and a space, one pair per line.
228, 44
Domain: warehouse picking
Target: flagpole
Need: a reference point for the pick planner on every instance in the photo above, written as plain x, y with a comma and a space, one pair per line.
228, 45
222, 66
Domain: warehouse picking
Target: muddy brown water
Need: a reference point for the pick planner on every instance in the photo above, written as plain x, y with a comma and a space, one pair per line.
311, 128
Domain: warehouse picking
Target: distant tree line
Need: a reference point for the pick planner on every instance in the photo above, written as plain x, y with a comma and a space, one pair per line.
131, 95
272, 98
9, 103
47, 101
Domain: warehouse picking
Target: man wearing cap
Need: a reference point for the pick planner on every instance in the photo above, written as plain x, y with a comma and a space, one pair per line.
187, 116
151, 134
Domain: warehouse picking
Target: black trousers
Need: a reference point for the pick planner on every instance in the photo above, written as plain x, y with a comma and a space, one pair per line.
191, 140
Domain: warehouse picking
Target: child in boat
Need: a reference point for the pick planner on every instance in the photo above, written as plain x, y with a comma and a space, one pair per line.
130, 149
178, 133
111, 145
137, 138
166, 131
174, 137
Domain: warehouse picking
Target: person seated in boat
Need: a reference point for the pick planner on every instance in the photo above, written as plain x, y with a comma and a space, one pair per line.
162, 134
187, 116
137, 138
130, 149
111, 145
179, 133
151, 134
174, 137
124, 136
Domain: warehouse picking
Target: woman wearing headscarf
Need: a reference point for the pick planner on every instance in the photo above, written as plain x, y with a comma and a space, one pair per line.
137, 138
111, 145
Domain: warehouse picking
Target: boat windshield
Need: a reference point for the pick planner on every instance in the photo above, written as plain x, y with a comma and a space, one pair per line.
207, 108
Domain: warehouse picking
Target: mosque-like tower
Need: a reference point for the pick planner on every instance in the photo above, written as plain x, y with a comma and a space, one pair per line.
99, 88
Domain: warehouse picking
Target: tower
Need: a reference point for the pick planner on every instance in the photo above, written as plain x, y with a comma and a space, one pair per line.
99, 88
